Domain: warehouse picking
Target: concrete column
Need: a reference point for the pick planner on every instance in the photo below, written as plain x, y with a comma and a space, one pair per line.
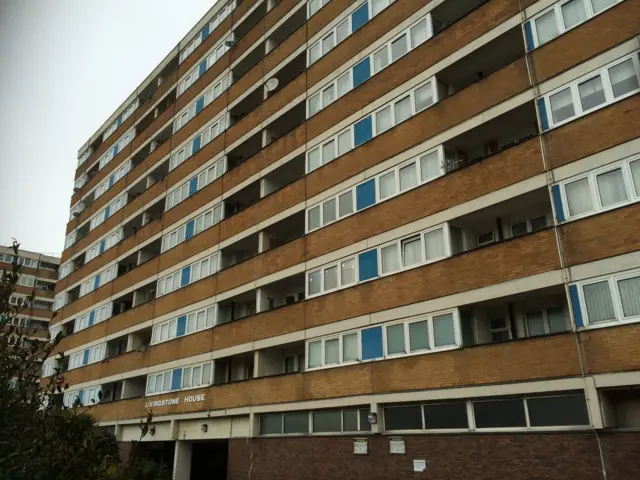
267, 138
593, 402
262, 300
264, 242
182, 460
377, 409
257, 371
271, 4
269, 45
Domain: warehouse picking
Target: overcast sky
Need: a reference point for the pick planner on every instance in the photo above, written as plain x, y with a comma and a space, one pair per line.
65, 66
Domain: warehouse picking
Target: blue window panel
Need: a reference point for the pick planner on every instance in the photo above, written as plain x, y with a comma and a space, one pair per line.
205, 32
186, 276
368, 265
116, 149
363, 131
85, 358
80, 396
96, 282
371, 343
575, 304
189, 230
366, 194
111, 180
182, 326
202, 68
101, 250
196, 144
107, 211
528, 34
557, 202
361, 72
176, 379
360, 17
193, 185
199, 105
544, 119
92, 317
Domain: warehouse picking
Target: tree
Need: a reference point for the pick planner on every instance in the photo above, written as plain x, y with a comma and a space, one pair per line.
40, 439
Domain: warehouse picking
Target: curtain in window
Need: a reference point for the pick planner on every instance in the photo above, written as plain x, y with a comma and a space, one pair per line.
399, 47
547, 27
331, 351
635, 173
573, 13
378, 5
419, 33
611, 187
344, 84
315, 354
331, 278
599, 303
402, 109
557, 321
434, 244
579, 197
344, 142
314, 283
328, 95
419, 336
429, 166
599, 5
387, 185
348, 272
350, 347
623, 78
408, 177
345, 203
444, 330
535, 323
423, 97
390, 262
411, 252
383, 120
562, 105
329, 211
591, 93
630, 295
380, 59
395, 339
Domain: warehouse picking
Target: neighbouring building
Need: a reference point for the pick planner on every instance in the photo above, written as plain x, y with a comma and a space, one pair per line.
374, 239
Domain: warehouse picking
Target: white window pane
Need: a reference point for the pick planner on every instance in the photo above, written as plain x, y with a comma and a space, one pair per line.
562, 105
343, 31
211, 313
331, 351
350, 347
599, 5
635, 173
196, 378
314, 104
378, 5
623, 78
395, 339
344, 142
380, 59
423, 97
434, 246
166, 382
591, 93
429, 166
390, 260
535, 323
195, 272
579, 197
418, 336
399, 47
313, 161
408, 176
200, 320
597, 296
330, 278
315, 354
206, 374
630, 296
402, 109
418, 33
328, 95
345, 204
191, 323
313, 218
205, 268
173, 328
314, 282
328, 43
411, 254
186, 377
348, 271
611, 187
546, 27
573, 13
444, 330
387, 185
164, 332
328, 151
208, 220
329, 211
315, 53
344, 84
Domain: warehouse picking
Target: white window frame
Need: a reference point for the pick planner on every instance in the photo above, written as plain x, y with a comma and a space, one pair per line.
340, 336
323, 269
545, 318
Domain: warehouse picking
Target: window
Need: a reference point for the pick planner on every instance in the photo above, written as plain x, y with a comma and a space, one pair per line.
544, 322
499, 329
499, 413
611, 186
591, 93
344, 348
191, 322
612, 298
557, 411
624, 78
202, 222
403, 418
485, 238
449, 416
330, 421
416, 336
387, 185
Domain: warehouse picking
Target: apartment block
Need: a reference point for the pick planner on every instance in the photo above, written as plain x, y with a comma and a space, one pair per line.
374, 239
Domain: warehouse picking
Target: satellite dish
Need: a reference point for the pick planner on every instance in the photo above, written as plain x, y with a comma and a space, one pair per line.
272, 84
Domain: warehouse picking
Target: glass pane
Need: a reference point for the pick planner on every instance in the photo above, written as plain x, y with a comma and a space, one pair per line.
402, 109
387, 185
623, 78
329, 211
328, 43
562, 105
635, 173
314, 53
411, 254
342, 31
611, 187
395, 339
327, 421
383, 120
330, 278
206, 374
329, 151
408, 176
403, 418
344, 142
200, 320
390, 260
344, 84
445, 415
573, 13
546, 27
500, 414
380, 59
345, 204
557, 411
423, 97
196, 378
434, 244
331, 351
591, 93
538, 223
378, 5
166, 382
350, 420
579, 197
211, 314
328, 95
597, 296
418, 336
314, 104
399, 47
429, 166
443, 330
270, 424
348, 272
350, 347
419, 33
314, 159
535, 323
315, 354
630, 296
518, 229
186, 378
365, 426
599, 5
557, 322
314, 218
314, 282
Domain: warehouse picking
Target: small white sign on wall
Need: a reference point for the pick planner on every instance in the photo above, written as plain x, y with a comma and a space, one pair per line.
396, 445
360, 446
419, 465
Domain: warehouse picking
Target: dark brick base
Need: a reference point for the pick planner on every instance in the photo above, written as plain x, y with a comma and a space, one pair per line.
562, 456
